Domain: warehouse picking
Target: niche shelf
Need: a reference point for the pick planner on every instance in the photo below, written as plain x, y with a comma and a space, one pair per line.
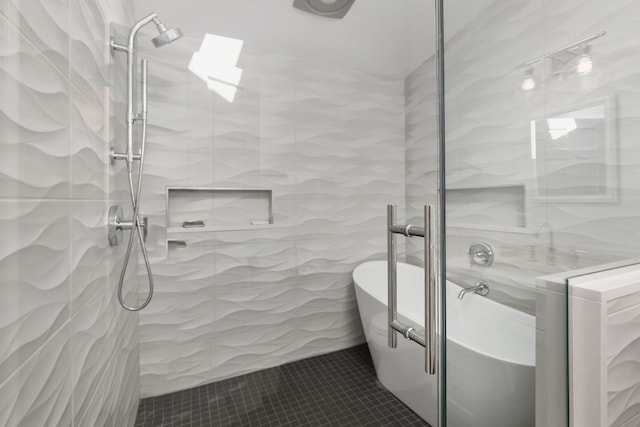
204, 209
499, 208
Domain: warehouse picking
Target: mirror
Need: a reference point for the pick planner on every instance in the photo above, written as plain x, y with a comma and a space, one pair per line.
574, 154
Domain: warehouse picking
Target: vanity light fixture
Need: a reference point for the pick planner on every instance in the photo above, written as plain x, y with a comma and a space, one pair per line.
576, 55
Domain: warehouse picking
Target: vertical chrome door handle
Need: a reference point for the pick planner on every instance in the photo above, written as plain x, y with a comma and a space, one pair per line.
430, 356
428, 341
392, 304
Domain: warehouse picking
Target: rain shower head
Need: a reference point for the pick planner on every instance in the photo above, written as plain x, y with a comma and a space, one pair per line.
166, 35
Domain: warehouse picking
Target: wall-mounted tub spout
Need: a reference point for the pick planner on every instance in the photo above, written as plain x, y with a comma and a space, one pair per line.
165, 36
481, 288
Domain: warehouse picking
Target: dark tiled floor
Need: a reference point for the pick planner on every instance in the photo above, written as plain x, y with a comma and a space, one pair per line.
336, 389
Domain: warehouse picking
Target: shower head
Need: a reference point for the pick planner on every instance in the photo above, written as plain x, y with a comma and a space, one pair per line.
166, 36
328, 8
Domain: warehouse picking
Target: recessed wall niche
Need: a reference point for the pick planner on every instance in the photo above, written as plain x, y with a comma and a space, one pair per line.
194, 209
500, 208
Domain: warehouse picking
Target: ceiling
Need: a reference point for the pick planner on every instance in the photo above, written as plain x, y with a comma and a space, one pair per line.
387, 37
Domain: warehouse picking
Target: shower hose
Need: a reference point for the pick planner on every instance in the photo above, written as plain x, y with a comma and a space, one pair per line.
137, 229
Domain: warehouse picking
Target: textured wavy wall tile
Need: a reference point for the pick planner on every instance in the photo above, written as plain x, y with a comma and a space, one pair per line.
116, 136
188, 130
421, 151
254, 349
310, 135
124, 367
89, 159
46, 25
127, 387
184, 169
244, 266
335, 255
178, 319
374, 210
52, 257
89, 53
244, 310
323, 217
323, 295
623, 380
237, 141
189, 270
91, 347
97, 409
339, 178
329, 333
89, 271
619, 304
278, 159
34, 118
34, 271
39, 392
169, 366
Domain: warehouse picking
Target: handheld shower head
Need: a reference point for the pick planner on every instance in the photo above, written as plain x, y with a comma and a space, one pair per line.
166, 36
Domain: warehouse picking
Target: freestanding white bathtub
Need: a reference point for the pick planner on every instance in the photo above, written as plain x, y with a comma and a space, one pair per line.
490, 352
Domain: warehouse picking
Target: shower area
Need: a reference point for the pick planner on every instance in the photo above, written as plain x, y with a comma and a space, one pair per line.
181, 217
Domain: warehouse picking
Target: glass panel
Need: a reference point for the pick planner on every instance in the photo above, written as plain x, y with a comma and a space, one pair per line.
541, 185
490, 361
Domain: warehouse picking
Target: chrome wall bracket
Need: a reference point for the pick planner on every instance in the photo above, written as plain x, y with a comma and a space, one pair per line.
113, 155
116, 225
116, 47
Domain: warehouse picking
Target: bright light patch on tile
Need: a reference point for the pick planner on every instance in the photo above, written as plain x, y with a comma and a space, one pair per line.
533, 140
215, 63
559, 127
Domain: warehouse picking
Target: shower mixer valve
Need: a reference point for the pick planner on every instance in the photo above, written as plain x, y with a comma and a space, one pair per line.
116, 225
481, 254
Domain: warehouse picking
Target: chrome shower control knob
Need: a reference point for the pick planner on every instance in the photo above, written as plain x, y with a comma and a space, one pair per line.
114, 225
481, 254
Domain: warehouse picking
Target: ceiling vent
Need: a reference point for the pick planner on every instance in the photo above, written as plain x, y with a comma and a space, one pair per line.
329, 8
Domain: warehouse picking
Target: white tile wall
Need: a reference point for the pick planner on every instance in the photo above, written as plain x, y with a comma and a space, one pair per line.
604, 317
330, 143
69, 353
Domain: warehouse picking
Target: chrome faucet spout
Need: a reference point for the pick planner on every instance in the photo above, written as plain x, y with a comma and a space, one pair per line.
480, 288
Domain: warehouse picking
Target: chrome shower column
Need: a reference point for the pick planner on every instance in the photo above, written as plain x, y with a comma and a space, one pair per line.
116, 223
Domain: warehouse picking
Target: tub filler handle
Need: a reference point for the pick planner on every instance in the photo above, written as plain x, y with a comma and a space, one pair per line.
395, 326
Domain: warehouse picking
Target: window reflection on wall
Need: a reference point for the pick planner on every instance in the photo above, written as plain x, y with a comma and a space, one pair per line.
574, 154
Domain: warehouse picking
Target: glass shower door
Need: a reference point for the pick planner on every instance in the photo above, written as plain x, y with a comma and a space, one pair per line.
540, 185
505, 326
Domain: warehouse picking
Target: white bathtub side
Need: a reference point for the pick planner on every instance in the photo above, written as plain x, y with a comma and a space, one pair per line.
482, 391
400, 370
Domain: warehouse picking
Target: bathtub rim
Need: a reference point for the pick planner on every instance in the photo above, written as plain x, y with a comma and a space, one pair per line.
524, 319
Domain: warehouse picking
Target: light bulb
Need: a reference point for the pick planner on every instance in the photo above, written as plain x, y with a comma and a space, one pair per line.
529, 83
584, 65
